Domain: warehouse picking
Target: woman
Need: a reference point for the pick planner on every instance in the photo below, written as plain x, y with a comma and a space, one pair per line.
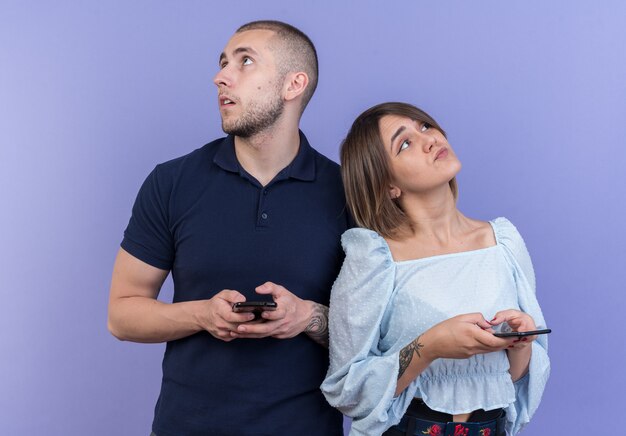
421, 292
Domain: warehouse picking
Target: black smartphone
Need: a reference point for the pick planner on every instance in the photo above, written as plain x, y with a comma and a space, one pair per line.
256, 307
521, 334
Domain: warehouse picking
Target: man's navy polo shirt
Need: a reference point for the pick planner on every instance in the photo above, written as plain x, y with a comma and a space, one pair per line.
215, 227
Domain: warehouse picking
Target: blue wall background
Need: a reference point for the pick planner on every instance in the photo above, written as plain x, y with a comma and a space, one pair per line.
94, 94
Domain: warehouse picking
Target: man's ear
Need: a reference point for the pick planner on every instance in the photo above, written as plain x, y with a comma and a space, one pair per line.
295, 84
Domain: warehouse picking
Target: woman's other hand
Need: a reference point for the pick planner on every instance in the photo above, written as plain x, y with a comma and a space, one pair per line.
519, 322
519, 352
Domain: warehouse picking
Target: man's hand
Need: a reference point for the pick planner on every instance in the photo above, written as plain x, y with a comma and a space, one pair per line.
217, 316
292, 316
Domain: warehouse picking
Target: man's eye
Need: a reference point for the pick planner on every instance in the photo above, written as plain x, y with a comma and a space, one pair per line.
247, 61
222, 65
425, 127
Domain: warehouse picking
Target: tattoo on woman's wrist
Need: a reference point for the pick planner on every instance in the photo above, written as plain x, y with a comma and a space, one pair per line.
317, 329
406, 355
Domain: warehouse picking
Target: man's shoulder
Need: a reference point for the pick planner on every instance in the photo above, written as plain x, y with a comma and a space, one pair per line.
197, 156
326, 161
324, 165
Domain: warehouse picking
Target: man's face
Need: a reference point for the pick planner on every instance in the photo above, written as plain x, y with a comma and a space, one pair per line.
249, 86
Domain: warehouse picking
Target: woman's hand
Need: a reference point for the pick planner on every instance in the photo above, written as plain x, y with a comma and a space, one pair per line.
456, 338
519, 352
461, 337
519, 322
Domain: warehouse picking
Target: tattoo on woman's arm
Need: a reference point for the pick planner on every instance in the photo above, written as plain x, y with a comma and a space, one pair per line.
406, 355
317, 329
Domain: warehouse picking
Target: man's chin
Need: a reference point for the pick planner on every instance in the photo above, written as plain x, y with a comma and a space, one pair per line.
241, 133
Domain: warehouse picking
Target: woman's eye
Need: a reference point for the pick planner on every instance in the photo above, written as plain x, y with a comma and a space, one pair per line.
404, 145
425, 127
247, 61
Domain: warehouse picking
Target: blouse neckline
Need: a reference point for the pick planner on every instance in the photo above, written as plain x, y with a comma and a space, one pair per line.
448, 255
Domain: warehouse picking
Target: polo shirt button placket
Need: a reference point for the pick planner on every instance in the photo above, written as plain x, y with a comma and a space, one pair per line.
263, 217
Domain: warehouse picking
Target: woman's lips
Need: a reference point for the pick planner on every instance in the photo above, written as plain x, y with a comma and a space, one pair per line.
441, 153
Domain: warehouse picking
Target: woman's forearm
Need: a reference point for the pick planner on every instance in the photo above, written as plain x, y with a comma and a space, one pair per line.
519, 360
414, 358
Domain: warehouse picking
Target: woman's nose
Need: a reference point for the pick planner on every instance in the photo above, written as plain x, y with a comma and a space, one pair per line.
428, 142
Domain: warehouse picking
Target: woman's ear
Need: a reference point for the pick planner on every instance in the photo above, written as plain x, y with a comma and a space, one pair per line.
394, 192
295, 84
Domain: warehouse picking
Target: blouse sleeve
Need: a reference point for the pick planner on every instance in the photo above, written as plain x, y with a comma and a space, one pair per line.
528, 389
362, 377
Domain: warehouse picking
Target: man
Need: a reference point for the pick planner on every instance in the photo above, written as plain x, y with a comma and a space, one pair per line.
256, 215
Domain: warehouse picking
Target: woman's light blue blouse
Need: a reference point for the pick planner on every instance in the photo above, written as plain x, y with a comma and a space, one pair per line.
378, 306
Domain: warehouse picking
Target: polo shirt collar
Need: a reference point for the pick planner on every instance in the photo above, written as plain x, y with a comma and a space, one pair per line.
302, 167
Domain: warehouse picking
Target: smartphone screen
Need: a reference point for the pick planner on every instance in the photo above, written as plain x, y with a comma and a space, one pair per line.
521, 334
254, 306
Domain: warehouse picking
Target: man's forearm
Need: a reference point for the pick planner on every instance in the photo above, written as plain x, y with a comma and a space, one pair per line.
317, 329
141, 319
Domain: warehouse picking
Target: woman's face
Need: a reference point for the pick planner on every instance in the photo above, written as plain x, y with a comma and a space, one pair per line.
420, 157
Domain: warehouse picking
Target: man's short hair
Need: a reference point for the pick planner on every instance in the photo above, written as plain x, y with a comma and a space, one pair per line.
295, 53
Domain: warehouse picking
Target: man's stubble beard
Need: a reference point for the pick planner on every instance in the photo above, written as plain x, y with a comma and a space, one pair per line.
259, 116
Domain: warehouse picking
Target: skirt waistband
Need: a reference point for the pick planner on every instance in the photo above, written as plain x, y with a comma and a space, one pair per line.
421, 420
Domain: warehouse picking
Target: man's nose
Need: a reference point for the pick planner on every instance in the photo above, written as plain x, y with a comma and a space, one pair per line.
222, 78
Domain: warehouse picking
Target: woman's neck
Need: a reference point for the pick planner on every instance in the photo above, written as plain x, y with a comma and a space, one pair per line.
432, 214
437, 227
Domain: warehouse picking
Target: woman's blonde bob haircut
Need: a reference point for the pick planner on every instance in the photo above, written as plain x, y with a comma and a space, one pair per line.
366, 173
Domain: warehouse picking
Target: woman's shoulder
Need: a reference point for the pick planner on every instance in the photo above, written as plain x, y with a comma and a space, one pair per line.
365, 245
480, 234
505, 232
514, 245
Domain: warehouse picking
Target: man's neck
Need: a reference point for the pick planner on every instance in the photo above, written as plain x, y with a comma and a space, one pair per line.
265, 154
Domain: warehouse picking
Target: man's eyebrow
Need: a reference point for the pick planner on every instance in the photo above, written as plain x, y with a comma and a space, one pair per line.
395, 135
239, 50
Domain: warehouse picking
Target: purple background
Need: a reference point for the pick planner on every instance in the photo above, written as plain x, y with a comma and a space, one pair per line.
93, 94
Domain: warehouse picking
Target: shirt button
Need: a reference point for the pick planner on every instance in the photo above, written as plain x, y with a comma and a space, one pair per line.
265, 192
264, 215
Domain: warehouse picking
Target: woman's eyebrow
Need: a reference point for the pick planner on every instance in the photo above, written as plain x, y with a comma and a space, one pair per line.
395, 135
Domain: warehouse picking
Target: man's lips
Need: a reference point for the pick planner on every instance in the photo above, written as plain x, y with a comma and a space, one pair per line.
226, 101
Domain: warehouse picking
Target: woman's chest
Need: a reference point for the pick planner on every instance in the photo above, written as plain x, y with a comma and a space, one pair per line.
427, 293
